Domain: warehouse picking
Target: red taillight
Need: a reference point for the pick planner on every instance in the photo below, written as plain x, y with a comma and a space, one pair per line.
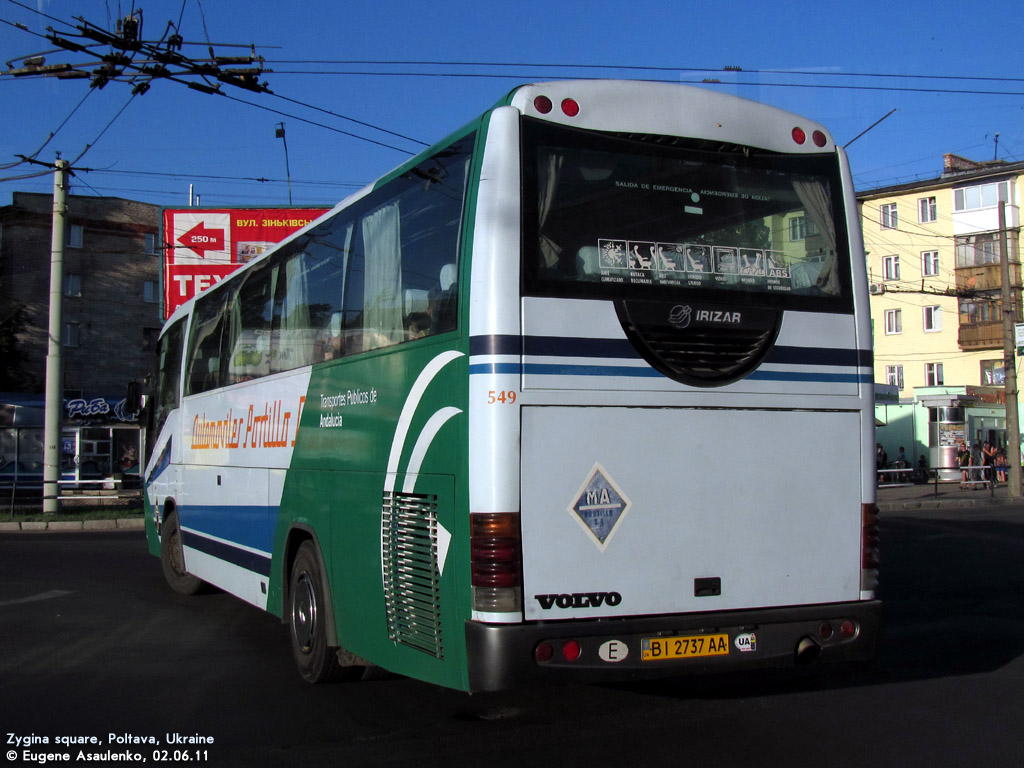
571, 650
542, 104
543, 652
799, 136
496, 550
570, 107
847, 629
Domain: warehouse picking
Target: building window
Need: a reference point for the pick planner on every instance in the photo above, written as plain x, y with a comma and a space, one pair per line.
888, 215
150, 292
149, 339
150, 243
973, 311
993, 373
891, 268
926, 210
72, 284
984, 248
894, 376
981, 196
930, 263
69, 336
893, 321
74, 236
933, 374
932, 319
800, 228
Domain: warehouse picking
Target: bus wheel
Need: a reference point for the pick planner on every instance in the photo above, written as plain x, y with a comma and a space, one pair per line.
172, 558
316, 660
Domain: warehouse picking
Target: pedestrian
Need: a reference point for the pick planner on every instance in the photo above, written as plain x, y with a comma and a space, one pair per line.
963, 460
988, 459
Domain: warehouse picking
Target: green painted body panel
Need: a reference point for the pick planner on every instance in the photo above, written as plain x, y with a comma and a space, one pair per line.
335, 485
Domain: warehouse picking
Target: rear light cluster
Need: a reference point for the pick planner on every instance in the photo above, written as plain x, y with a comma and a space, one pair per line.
838, 629
496, 562
818, 137
569, 650
544, 105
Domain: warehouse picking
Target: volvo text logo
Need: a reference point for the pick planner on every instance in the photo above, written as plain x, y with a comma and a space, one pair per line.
680, 315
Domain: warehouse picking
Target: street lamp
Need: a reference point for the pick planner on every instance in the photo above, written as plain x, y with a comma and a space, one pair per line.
279, 133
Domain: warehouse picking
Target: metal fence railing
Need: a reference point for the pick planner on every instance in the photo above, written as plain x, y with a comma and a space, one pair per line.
973, 475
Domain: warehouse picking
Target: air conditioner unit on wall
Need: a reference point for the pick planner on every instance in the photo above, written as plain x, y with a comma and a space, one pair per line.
876, 289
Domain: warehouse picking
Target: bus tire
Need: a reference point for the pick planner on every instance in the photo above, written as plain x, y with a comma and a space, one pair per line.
316, 660
172, 558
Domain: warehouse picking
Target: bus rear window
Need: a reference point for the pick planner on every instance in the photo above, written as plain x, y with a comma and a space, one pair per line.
608, 216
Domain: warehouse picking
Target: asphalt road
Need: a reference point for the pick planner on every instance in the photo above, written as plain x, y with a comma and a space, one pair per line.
93, 644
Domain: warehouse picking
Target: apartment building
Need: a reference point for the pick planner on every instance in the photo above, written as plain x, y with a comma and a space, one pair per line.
111, 320
934, 251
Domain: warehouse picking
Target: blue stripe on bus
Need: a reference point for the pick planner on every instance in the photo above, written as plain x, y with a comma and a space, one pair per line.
243, 558
247, 525
542, 369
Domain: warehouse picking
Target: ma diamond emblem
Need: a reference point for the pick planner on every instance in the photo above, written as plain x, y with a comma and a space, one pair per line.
599, 505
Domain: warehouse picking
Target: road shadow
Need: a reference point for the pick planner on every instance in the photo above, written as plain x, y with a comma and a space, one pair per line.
952, 586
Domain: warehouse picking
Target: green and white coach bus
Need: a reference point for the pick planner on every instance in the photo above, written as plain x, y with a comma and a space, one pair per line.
583, 392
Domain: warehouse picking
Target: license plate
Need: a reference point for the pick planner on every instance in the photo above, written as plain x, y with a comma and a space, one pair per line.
688, 647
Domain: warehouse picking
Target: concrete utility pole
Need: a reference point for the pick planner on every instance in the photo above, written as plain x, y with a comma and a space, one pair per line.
1009, 363
54, 364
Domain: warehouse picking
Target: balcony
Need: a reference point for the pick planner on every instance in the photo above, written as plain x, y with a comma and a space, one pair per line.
985, 277
978, 336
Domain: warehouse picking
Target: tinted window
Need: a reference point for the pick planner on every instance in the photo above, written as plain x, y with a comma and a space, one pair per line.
623, 217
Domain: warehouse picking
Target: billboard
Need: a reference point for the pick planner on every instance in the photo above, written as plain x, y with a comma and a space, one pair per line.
202, 246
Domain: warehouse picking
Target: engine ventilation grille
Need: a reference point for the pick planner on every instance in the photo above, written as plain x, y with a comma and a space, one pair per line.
701, 345
411, 576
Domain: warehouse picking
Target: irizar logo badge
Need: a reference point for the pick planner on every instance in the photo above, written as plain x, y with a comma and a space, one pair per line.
682, 315
599, 506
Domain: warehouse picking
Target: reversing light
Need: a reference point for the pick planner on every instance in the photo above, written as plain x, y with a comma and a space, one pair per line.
799, 136
819, 138
542, 104
570, 107
825, 630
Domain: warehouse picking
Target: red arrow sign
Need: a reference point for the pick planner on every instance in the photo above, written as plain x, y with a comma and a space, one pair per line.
200, 239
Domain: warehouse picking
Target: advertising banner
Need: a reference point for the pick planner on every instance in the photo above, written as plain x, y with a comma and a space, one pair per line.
204, 245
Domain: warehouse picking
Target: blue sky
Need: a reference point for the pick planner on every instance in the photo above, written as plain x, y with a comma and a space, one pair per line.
952, 72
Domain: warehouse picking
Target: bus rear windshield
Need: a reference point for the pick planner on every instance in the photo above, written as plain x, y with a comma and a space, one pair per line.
657, 218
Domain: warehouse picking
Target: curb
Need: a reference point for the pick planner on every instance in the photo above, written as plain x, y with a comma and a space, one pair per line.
122, 524
911, 504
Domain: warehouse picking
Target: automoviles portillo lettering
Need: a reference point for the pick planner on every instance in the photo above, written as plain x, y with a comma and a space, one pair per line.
270, 427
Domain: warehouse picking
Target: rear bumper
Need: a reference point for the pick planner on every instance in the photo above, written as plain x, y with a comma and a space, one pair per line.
501, 656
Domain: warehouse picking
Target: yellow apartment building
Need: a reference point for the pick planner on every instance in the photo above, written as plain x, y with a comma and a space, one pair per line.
933, 257
934, 251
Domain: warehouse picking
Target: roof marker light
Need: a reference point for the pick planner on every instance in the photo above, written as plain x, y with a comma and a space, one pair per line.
799, 136
820, 140
570, 107
542, 104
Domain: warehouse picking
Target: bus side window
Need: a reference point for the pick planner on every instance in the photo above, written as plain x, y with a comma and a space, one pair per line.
168, 379
249, 355
208, 326
403, 284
